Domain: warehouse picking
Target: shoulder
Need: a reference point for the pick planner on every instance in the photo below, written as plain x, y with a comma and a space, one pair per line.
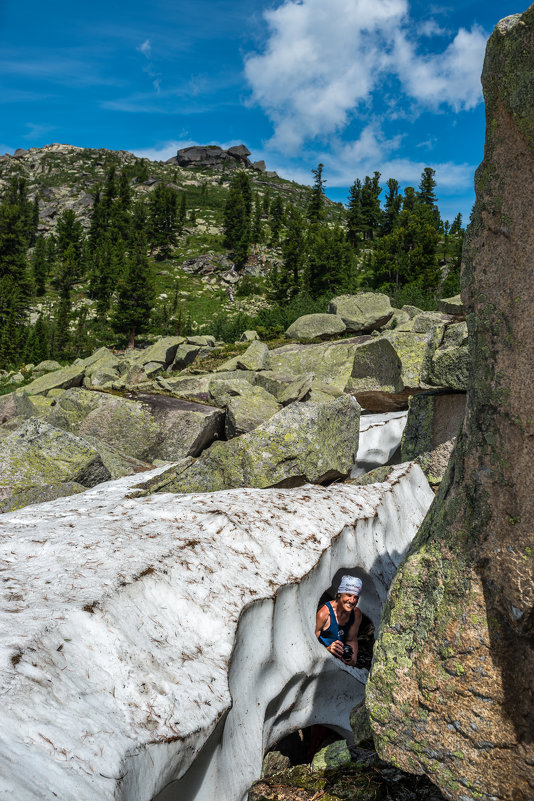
323, 614
357, 619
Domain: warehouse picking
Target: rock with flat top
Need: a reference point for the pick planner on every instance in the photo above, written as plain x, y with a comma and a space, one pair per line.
362, 313
316, 326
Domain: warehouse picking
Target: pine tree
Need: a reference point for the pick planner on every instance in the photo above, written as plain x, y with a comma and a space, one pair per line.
316, 211
63, 313
354, 214
329, 266
163, 220
39, 266
392, 206
277, 219
236, 219
15, 282
257, 226
288, 279
69, 234
427, 185
371, 212
136, 296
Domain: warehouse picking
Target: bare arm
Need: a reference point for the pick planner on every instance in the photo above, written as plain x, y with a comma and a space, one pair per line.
352, 637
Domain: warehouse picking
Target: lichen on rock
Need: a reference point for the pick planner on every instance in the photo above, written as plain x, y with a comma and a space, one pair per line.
451, 688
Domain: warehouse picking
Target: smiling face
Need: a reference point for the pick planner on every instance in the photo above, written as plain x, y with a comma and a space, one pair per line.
347, 601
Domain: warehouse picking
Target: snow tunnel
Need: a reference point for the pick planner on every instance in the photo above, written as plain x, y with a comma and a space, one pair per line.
161, 645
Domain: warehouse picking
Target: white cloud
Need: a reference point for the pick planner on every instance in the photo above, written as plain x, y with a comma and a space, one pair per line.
145, 48
323, 62
451, 77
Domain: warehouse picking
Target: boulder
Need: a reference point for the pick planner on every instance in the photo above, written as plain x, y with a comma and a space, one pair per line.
430, 434
330, 363
256, 357
399, 319
37, 454
48, 366
15, 404
285, 388
316, 326
64, 378
332, 756
102, 659
451, 687
450, 368
186, 428
425, 321
362, 313
376, 375
163, 351
452, 306
100, 377
249, 336
247, 406
125, 424
204, 341
184, 356
304, 442
103, 355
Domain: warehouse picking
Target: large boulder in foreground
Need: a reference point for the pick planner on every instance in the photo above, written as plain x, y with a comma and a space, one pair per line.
38, 454
451, 692
362, 313
304, 442
111, 688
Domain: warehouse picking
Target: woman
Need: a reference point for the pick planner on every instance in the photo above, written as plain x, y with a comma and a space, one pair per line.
338, 621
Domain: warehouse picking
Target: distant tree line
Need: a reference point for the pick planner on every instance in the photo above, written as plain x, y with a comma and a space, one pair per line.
401, 247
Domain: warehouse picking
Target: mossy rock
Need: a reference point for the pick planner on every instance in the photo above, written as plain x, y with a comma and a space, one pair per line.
316, 326
33, 495
329, 362
304, 442
363, 312
63, 378
38, 454
256, 357
452, 305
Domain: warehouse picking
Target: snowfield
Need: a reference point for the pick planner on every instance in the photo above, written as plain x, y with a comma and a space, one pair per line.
169, 639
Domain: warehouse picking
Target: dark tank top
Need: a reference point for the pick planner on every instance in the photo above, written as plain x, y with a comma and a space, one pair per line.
335, 631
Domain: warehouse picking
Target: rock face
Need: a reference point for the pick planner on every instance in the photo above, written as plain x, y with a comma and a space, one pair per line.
213, 157
451, 690
431, 430
111, 655
304, 442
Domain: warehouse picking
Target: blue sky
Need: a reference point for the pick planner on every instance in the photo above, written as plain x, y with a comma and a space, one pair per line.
359, 85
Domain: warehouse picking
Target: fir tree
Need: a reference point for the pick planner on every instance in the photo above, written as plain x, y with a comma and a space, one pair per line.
236, 220
288, 279
277, 219
136, 296
354, 214
69, 234
39, 266
163, 220
316, 200
257, 226
427, 185
329, 266
371, 213
392, 206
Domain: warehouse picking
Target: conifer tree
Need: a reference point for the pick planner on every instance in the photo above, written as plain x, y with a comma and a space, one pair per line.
39, 266
316, 211
287, 280
354, 214
257, 226
163, 220
392, 206
69, 234
371, 212
329, 266
427, 185
277, 219
136, 293
237, 217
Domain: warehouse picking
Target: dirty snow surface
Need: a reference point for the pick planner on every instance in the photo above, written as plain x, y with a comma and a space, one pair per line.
123, 636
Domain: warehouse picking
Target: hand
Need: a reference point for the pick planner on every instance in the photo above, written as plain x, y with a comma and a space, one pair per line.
336, 649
